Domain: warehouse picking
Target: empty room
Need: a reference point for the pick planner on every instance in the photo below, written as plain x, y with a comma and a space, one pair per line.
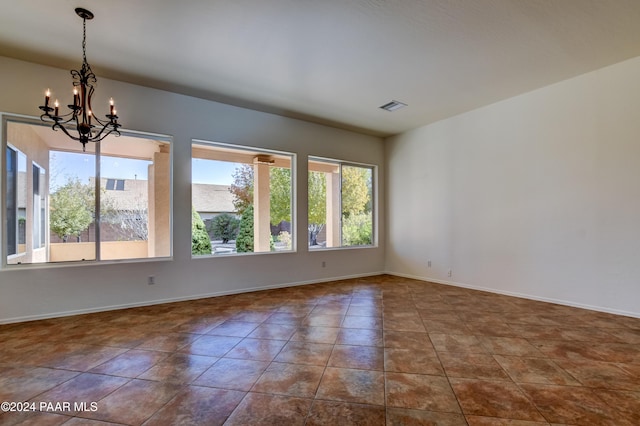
281, 212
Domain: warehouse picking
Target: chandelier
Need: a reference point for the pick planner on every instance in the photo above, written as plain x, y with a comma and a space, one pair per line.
80, 123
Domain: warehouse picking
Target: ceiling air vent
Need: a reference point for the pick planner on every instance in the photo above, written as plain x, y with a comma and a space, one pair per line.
393, 105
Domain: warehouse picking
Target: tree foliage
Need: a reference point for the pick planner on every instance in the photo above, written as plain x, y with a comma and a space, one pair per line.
244, 240
355, 190
200, 242
357, 230
71, 209
224, 227
317, 210
280, 190
242, 187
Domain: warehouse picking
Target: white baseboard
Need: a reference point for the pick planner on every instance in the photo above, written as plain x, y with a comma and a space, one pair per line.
177, 299
520, 295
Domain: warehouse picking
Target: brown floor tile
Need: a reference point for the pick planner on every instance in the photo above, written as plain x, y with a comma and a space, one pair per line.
406, 340
408, 417
134, 402
32, 419
85, 387
349, 385
412, 361
372, 323
289, 379
196, 405
131, 363
330, 413
493, 421
276, 410
87, 358
420, 392
316, 334
403, 324
234, 374
597, 374
179, 368
305, 353
316, 320
361, 337
463, 343
626, 404
570, 350
509, 346
215, 346
24, 383
257, 349
535, 370
364, 311
494, 399
325, 352
234, 328
362, 357
273, 331
251, 316
169, 342
571, 405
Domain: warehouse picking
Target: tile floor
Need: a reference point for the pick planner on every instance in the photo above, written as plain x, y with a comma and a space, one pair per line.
370, 351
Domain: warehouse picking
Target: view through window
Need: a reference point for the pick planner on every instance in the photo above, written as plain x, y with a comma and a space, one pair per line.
340, 204
241, 200
108, 203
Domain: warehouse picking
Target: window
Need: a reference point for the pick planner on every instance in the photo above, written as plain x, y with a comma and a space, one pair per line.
39, 207
341, 207
241, 200
16, 201
111, 202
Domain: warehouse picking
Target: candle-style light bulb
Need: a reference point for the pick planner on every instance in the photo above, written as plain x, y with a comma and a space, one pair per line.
47, 95
56, 104
89, 115
76, 98
111, 110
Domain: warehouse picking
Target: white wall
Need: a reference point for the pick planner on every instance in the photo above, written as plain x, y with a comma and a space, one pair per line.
537, 195
35, 292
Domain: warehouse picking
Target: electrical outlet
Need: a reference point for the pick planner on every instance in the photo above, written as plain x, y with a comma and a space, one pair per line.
151, 280
324, 264
449, 273
429, 263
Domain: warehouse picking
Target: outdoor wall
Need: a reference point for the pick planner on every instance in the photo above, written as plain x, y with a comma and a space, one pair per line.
538, 195
29, 292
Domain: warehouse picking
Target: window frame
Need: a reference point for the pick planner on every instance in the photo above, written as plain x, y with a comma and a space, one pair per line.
257, 151
374, 202
5, 119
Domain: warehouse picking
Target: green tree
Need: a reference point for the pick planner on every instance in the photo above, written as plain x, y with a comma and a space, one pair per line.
355, 190
242, 187
280, 199
244, 240
317, 210
225, 227
279, 189
71, 209
200, 242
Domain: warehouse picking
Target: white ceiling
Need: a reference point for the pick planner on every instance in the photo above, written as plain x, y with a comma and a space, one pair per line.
331, 61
